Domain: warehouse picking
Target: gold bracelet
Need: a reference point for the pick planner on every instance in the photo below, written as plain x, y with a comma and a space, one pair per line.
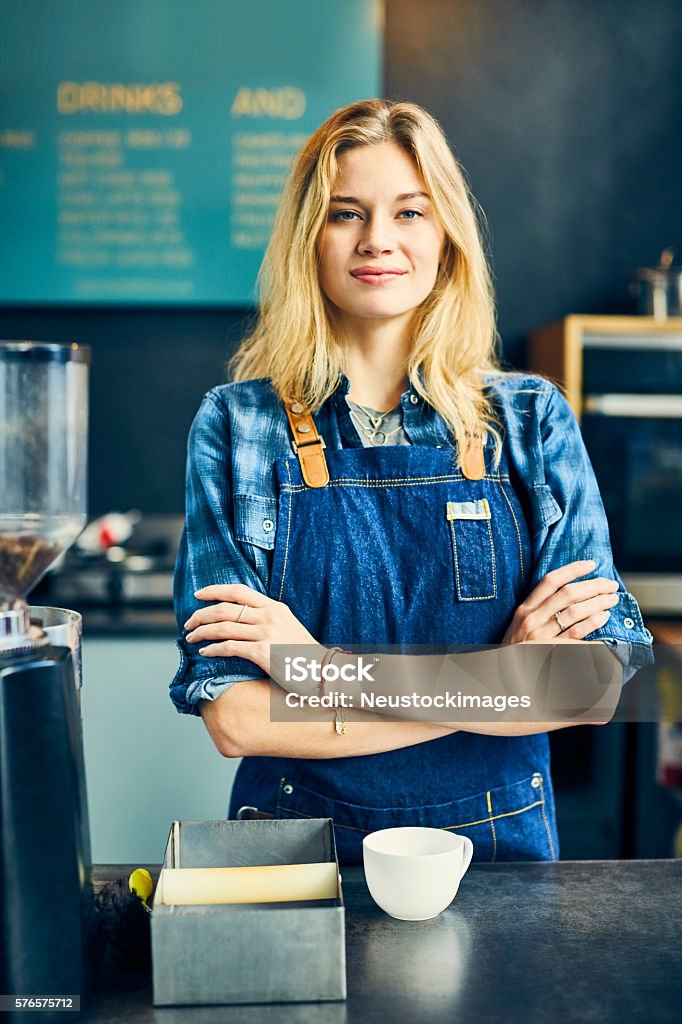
339, 717
325, 661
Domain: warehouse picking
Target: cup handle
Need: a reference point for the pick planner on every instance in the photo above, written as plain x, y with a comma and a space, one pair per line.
468, 854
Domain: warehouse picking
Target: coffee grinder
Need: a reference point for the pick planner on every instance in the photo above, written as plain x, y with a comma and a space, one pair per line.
45, 862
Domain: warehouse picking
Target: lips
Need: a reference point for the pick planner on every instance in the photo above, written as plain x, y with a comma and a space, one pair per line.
377, 275
370, 271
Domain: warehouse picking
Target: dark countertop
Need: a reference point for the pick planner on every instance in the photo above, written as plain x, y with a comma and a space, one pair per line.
575, 941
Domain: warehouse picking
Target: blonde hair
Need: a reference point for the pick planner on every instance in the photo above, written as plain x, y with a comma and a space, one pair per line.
295, 342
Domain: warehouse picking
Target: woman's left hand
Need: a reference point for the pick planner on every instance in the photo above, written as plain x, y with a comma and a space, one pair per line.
262, 621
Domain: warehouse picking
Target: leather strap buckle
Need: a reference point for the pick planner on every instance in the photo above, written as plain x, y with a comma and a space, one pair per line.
473, 460
307, 444
302, 444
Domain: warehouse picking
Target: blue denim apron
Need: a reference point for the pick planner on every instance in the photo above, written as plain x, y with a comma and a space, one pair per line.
387, 553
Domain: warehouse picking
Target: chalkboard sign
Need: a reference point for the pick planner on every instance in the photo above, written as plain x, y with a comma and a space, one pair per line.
144, 143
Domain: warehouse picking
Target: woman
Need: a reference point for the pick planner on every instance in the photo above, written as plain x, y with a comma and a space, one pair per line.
448, 502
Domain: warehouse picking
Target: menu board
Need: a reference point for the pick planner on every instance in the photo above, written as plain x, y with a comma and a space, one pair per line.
144, 143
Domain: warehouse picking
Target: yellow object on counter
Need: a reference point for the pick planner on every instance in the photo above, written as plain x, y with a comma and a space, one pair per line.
140, 882
277, 883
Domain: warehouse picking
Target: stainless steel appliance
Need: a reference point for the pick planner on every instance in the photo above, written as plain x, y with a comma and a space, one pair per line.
623, 377
132, 575
658, 290
44, 834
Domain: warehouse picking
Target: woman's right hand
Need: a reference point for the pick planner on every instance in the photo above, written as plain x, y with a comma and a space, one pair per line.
581, 606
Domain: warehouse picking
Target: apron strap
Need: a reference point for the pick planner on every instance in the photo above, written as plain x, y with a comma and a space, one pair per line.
308, 445
473, 460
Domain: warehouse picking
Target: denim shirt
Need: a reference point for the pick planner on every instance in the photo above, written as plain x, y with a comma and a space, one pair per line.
231, 503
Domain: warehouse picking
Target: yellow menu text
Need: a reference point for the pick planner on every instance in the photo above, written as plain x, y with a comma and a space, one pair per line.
115, 97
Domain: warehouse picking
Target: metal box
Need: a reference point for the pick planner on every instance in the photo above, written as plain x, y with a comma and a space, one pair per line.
249, 952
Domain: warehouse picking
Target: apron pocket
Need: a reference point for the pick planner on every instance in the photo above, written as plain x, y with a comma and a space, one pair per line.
473, 550
506, 823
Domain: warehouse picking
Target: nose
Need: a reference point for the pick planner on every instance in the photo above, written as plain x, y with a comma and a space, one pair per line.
377, 236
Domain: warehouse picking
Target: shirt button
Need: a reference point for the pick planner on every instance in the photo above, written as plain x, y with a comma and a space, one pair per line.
287, 789
628, 623
535, 781
268, 525
414, 399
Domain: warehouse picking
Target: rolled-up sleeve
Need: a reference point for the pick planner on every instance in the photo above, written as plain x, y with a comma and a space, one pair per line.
572, 525
209, 553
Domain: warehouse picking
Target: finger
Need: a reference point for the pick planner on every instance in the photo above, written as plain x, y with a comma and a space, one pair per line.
571, 594
224, 631
216, 651
238, 593
580, 593
579, 630
542, 624
581, 610
555, 579
215, 612
239, 649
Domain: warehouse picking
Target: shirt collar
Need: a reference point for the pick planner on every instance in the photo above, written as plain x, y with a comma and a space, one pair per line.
421, 422
343, 387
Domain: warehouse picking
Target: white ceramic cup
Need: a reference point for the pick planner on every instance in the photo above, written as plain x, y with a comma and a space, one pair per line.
414, 873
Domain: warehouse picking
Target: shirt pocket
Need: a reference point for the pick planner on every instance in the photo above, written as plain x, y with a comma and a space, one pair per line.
473, 549
255, 520
546, 509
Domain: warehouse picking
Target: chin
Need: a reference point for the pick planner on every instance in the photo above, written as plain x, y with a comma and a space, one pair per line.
378, 309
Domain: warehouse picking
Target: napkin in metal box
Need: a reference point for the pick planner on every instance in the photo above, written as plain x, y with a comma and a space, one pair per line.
256, 952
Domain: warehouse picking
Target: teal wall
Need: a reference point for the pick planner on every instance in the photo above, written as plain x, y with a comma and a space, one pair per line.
144, 143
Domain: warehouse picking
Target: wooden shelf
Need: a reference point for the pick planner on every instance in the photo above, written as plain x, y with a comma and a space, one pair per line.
556, 351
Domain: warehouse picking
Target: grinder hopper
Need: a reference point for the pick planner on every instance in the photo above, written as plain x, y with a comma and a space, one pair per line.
43, 450
44, 834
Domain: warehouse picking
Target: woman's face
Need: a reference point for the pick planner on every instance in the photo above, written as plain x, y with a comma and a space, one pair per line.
379, 252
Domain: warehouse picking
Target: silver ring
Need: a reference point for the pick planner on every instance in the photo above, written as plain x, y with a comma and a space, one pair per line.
560, 623
241, 613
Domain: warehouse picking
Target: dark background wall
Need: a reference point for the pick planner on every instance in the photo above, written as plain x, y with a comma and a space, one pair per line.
566, 115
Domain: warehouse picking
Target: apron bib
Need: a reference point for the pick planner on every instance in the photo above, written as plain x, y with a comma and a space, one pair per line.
401, 548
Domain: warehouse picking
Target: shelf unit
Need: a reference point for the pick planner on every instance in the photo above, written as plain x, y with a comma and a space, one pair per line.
558, 351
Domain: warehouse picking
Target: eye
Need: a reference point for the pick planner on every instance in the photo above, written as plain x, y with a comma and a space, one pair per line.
344, 215
411, 214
